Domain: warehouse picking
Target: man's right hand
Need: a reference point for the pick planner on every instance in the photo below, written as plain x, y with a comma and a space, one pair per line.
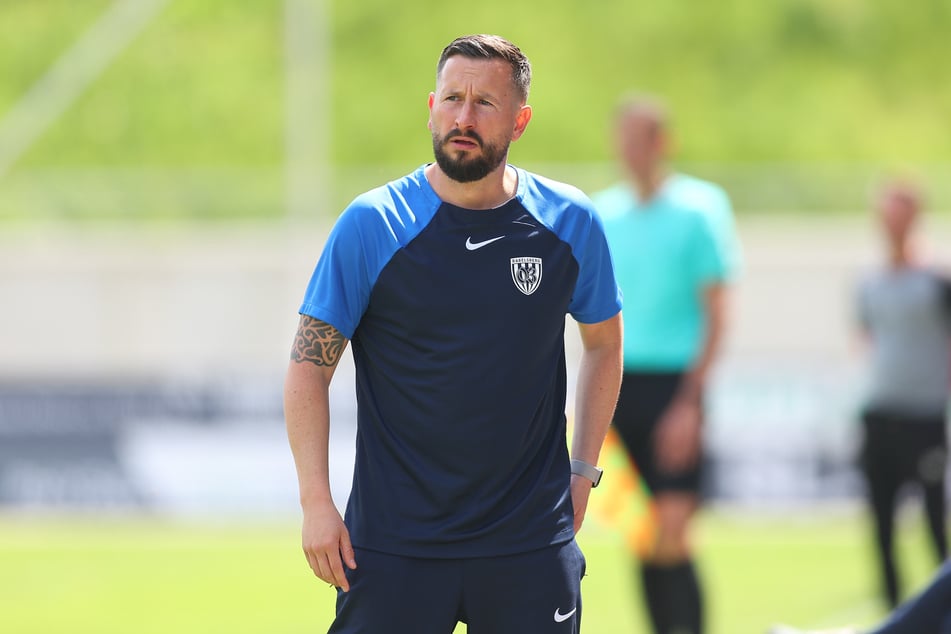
326, 543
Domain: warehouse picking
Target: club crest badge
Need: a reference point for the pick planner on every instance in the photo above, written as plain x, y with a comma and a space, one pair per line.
526, 273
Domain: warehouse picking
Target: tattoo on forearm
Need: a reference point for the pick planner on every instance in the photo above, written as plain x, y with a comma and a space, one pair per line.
317, 342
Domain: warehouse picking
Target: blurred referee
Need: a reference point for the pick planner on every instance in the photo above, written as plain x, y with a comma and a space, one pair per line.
673, 243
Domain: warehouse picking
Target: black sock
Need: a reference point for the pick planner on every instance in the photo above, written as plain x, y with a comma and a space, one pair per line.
655, 596
673, 596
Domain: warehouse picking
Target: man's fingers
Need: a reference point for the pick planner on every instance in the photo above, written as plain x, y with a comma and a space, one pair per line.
578, 521
338, 577
346, 551
312, 562
325, 569
679, 456
331, 571
673, 456
668, 451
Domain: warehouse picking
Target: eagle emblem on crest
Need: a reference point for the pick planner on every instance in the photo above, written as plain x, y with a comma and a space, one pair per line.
526, 273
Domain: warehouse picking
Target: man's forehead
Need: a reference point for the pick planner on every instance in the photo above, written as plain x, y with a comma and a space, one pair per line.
467, 69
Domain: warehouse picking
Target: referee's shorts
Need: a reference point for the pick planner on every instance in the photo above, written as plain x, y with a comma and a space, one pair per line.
644, 398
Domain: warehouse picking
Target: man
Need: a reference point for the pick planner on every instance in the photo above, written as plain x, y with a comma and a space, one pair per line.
453, 284
672, 239
905, 311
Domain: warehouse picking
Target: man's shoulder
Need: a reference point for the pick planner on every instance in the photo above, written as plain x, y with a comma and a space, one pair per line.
409, 188
554, 202
691, 184
614, 201
695, 193
405, 197
551, 190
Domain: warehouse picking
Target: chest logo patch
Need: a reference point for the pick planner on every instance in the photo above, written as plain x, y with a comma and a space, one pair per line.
526, 273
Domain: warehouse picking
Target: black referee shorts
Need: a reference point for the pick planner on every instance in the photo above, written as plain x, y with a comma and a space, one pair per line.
643, 400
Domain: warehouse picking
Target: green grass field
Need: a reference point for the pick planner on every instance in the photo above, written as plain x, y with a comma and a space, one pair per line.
118, 576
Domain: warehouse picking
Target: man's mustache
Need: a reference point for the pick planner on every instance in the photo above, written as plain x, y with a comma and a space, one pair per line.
469, 134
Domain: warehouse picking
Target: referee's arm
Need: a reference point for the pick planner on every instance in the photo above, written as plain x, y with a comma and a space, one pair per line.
599, 380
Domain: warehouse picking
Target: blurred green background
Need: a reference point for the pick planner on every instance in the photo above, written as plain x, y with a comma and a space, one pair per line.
795, 104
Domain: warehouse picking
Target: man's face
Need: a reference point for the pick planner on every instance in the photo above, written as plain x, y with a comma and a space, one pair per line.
897, 211
640, 142
474, 114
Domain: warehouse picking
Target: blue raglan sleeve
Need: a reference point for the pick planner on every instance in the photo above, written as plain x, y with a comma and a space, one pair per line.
364, 239
597, 294
340, 285
335, 293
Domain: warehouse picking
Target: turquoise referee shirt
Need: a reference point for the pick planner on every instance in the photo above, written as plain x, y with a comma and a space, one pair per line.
666, 251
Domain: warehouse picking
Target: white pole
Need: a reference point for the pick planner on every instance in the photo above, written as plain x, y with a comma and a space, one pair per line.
70, 75
307, 129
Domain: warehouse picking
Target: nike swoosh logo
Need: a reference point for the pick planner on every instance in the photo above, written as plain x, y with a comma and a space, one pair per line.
472, 246
559, 617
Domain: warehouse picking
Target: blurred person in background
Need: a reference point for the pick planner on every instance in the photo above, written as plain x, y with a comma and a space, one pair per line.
928, 612
453, 284
675, 250
904, 309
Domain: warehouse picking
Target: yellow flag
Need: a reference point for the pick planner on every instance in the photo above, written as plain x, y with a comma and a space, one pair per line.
623, 502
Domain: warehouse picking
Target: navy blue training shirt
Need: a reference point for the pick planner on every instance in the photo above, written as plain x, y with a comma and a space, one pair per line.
456, 319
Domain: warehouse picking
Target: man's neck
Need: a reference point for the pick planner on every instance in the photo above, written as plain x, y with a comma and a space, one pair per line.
900, 259
902, 255
650, 183
490, 192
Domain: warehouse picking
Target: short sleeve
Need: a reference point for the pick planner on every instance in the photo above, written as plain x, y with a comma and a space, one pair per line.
728, 239
597, 294
708, 258
571, 215
339, 288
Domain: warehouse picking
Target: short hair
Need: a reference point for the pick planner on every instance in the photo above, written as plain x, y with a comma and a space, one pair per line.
645, 106
491, 47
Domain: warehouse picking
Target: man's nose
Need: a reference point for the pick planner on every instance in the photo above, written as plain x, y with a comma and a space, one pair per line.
465, 116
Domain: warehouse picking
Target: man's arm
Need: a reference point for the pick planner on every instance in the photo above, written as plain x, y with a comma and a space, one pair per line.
714, 306
318, 347
599, 380
678, 434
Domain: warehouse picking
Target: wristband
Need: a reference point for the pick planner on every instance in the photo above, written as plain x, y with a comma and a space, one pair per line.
582, 468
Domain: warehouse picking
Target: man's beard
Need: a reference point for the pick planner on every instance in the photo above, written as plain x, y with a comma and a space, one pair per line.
466, 170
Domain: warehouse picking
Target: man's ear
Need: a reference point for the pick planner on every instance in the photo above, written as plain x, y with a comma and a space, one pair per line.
521, 121
432, 100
